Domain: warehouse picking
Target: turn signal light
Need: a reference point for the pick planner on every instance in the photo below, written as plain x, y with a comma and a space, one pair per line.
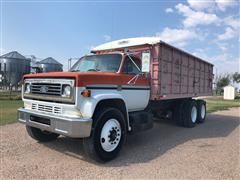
86, 93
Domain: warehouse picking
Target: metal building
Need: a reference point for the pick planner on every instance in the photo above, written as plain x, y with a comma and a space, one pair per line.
50, 65
13, 66
229, 92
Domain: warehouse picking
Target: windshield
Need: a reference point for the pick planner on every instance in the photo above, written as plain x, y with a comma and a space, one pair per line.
99, 63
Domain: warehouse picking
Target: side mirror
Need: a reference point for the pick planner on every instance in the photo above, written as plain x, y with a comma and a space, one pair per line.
146, 62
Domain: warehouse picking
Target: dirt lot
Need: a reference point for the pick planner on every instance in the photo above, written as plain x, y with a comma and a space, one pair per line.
210, 150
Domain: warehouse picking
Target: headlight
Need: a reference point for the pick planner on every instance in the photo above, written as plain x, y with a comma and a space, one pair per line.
66, 91
27, 88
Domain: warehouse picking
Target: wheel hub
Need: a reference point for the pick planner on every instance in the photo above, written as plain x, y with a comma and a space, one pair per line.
203, 112
110, 135
194, 114
113, 135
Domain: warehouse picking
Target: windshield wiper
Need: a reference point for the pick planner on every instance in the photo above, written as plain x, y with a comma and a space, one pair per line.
97, 70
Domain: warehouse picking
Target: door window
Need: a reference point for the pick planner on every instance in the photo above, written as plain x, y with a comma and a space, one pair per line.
129, 67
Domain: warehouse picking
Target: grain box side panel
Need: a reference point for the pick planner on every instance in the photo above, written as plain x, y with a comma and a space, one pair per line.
197, 76
155, 72
184, 74
165, 71
191, 75
177, 74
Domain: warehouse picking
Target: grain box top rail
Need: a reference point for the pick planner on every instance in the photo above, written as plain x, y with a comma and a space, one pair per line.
131, 42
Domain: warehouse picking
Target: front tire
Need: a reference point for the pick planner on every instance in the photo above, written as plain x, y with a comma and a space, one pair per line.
39, 135
108, 135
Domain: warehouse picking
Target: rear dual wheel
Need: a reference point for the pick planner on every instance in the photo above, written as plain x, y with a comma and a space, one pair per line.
178, 113
201, 106
189, 112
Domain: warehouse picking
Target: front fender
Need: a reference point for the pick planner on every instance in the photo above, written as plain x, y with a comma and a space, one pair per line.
87, 105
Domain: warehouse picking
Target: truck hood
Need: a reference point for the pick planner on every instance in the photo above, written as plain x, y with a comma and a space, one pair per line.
86, 78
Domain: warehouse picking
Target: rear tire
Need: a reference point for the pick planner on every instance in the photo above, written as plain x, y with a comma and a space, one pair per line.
201, 108
39, 135
108, 135
177, 113
189, 113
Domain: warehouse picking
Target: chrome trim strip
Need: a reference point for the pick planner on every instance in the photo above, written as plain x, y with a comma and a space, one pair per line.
118, 87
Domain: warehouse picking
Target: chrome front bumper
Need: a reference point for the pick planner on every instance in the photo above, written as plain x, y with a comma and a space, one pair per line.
71, 127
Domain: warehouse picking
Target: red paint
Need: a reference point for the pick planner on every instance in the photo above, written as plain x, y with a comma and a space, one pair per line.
91, 78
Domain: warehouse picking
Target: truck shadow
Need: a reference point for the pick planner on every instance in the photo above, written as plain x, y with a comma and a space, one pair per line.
147, 146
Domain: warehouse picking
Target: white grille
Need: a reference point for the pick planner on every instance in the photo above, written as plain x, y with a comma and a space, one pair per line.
47, 108
34, 106
57, 110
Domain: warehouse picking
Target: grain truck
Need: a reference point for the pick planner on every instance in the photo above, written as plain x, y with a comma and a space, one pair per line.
116, 90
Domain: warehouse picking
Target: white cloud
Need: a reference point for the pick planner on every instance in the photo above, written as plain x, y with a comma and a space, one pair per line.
224, 4
222, 46
233, 22
211, 5
228, 34
223, 62
185, 10
194, 18
201, 5
107, 37
232, 30
169, 10
178, 37
232, 66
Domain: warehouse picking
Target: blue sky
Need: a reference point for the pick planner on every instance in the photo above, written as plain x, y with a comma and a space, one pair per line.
62, 30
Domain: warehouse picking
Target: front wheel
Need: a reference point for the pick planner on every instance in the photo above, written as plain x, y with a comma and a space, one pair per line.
108, 135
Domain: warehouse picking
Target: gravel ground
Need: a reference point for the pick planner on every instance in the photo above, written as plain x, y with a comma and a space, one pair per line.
208, 151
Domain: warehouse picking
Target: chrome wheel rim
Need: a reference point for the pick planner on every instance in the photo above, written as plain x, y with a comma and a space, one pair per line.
203, 111
194, 114
110, 135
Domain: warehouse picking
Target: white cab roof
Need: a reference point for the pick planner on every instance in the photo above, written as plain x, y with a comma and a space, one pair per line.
127, 43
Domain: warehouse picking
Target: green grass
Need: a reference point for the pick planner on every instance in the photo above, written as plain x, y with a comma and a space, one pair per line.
217, 104
8, 111
6, 95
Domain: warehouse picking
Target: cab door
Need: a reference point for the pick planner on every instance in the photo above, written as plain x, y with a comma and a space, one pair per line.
135, 85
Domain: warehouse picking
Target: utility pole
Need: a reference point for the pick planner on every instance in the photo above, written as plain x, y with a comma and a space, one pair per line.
69, 63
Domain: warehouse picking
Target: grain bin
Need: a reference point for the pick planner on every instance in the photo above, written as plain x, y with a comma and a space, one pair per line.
50, 65
13, 66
